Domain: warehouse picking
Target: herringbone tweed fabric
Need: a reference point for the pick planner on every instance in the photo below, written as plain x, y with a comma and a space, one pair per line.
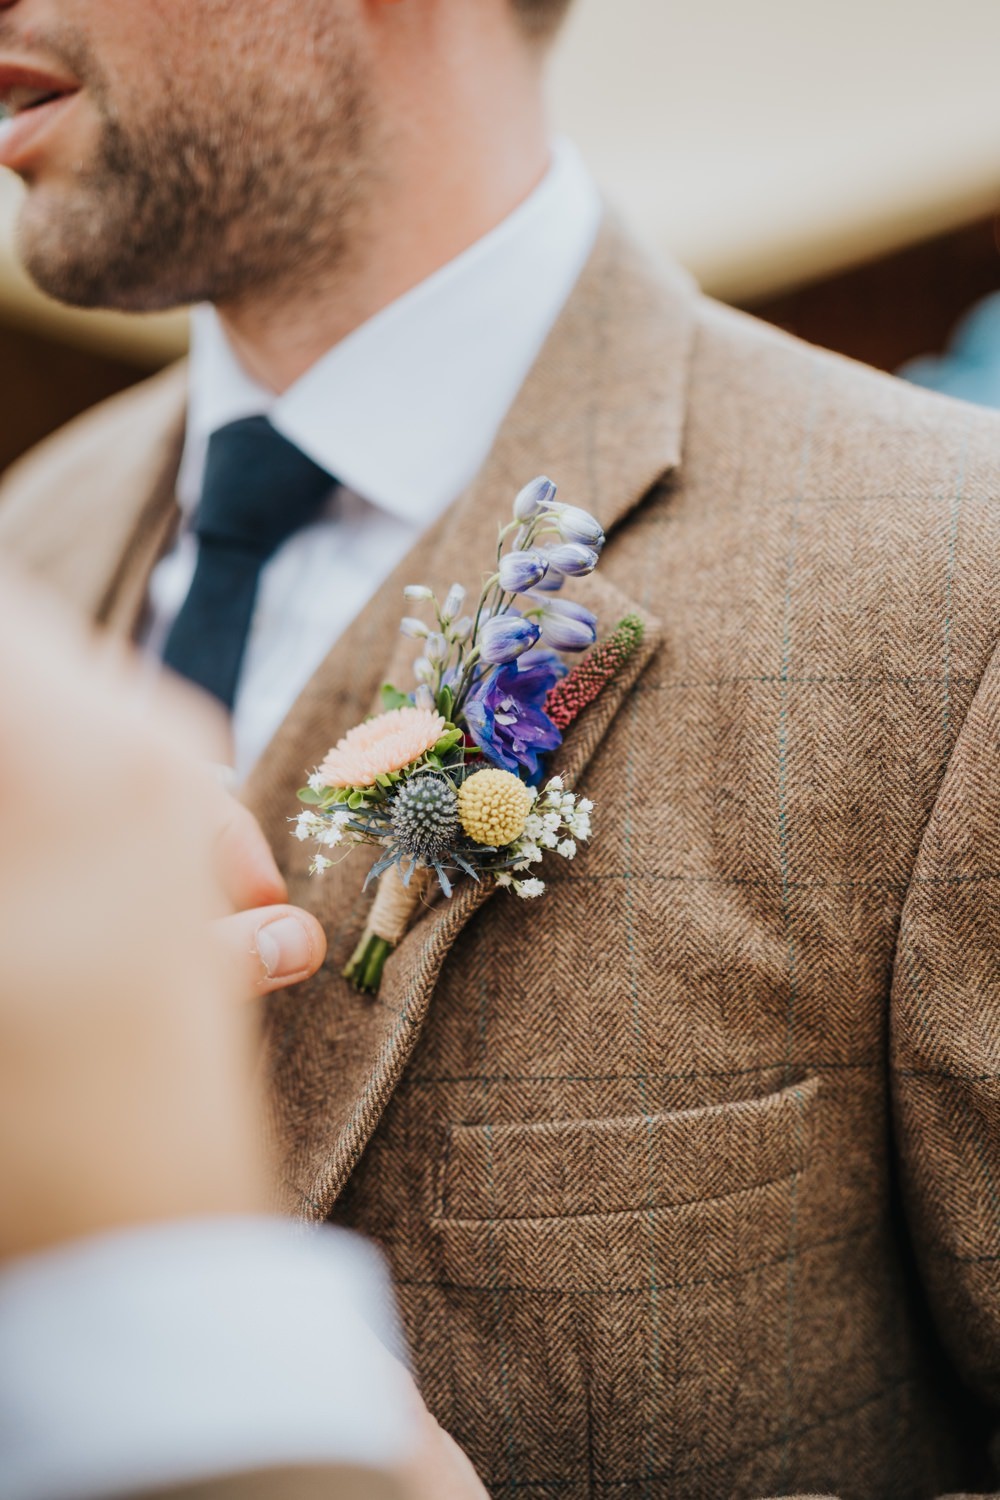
687, 1172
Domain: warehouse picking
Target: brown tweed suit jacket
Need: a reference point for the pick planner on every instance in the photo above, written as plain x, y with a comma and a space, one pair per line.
689, 1172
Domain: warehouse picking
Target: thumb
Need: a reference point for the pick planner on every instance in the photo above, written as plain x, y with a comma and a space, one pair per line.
271, 947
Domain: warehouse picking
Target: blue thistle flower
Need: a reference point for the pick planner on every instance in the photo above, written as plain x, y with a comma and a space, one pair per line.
425, 817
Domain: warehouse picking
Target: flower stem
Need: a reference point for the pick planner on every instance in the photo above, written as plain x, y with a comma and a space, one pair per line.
462, 689
364, 968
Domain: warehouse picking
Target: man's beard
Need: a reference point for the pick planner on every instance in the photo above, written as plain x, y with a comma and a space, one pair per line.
259, 193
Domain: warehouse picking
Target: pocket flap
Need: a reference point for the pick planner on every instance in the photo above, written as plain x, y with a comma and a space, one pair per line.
564, 1168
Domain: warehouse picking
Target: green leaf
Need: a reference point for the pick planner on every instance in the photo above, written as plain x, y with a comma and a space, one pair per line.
433, 760
355, 800
309, 797
393, 698
445, 702
383, 779
447, 742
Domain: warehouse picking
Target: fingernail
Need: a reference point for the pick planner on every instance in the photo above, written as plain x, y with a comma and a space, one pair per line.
283, 947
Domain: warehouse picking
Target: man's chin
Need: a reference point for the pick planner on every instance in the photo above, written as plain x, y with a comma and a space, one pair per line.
78, 257
49, 237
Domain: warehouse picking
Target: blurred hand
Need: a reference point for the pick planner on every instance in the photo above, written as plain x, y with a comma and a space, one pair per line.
125, 1061
126, 1065
439, 1470
270, 944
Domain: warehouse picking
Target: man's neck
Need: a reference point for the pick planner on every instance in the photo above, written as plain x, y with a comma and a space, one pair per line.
420, 223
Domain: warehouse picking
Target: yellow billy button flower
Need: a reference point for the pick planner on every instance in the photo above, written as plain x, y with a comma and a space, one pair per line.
493, 807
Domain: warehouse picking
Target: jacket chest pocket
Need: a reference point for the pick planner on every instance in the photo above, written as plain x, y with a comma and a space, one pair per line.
600, 1273
575, 1168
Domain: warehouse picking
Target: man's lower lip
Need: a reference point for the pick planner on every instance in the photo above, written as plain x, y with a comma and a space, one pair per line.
22, 136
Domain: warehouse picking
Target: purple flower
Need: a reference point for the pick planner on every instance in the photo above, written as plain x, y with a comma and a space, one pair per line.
533, 498
576, 525
505, 713
553, 580
520, 571
566, 626
571, 558
567, 635
505, 636
542, 656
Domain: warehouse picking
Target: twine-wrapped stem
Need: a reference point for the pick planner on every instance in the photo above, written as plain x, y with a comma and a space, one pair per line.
390, 916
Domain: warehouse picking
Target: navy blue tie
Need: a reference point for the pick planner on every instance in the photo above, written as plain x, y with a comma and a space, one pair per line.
258, 489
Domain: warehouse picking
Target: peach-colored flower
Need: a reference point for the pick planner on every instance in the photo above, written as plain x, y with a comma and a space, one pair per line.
386, 743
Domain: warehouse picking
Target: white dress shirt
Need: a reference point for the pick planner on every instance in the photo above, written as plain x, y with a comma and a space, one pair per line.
173, 1353
403, 413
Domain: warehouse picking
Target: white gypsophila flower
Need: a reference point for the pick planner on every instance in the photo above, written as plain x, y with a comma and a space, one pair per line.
585, 805
319, 864
316, 782
567, 849
533, 827
568, 802
556, 784
551, 821
418, 591
309, 825
504, 879
548, 838
579, 826
334, 830
529, 888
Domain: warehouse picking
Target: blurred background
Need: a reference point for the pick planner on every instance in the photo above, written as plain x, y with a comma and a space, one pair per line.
834, 168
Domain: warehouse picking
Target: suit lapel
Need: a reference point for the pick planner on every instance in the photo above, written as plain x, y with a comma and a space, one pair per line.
602, 412
104, 509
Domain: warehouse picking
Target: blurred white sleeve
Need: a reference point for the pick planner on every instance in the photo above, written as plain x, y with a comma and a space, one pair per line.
166, 1354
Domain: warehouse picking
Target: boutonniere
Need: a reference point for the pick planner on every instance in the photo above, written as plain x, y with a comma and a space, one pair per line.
449, 781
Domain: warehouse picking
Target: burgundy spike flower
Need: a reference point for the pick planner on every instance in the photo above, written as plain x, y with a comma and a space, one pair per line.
601, 665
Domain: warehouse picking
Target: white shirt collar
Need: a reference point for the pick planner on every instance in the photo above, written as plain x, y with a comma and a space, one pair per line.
405, 409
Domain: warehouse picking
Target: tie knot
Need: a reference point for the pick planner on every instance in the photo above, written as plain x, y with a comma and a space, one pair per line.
258, 489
